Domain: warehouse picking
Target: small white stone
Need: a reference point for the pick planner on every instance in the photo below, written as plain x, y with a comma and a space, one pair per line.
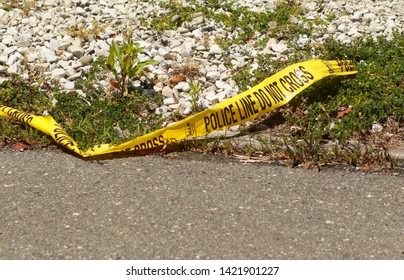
86, 60
376, 127
220, 84
3, 58
182, 30
76, 51
222, 96
174, 106
49, 55
12, 59
73, 75
63, 46
333, 5
182, 87
161, 110
357, 16
198, 33
168, 101
41, 67
376, 28
162, 52
344, 38
212, 98
57, 74
280, 48
69, 86
197, 19
8, 40
95, 10
64, 64
187, 111
352, 31
369, 17
48, 36
32, 57
213, 75
167, 92
13, 69
215, 49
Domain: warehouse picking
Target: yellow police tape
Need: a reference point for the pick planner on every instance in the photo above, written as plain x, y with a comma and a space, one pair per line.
270, 94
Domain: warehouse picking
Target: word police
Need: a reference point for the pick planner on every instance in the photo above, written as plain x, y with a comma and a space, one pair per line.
261, 99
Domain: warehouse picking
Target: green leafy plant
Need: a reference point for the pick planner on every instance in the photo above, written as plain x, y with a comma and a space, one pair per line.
194, 95
93, 115
124, 64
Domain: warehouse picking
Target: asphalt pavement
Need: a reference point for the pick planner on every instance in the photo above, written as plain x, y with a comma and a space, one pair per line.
54, 205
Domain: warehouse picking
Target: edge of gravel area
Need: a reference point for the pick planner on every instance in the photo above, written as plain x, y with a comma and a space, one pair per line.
396, 152
238, 140
43, 39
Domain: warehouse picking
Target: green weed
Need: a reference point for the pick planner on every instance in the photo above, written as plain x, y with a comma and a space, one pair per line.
174, 17
243, 22
93, 115
124, 64
25, 96
194, 95
316, 116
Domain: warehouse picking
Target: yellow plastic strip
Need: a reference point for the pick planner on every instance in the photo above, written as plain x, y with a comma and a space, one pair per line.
270, 94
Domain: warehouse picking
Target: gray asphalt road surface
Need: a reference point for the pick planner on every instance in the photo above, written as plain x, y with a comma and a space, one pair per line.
54, 205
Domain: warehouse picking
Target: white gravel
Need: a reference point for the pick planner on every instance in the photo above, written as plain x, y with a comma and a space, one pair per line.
40, 40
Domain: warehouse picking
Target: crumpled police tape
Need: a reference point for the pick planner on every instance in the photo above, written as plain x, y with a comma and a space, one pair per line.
270, 94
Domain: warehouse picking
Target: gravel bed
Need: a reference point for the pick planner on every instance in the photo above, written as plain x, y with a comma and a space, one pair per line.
41, 40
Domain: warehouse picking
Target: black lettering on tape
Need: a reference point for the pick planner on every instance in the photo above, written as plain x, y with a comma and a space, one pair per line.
155, 141
242, 117
274, 92
18, 115
308, 74
213, 121
285, 85
293, 81
252, 102
217, 120
248, 106
149, 144
296, 79
190, 130
233, 113
62, 138
207, 122
301, 76
226, 115
220, 124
